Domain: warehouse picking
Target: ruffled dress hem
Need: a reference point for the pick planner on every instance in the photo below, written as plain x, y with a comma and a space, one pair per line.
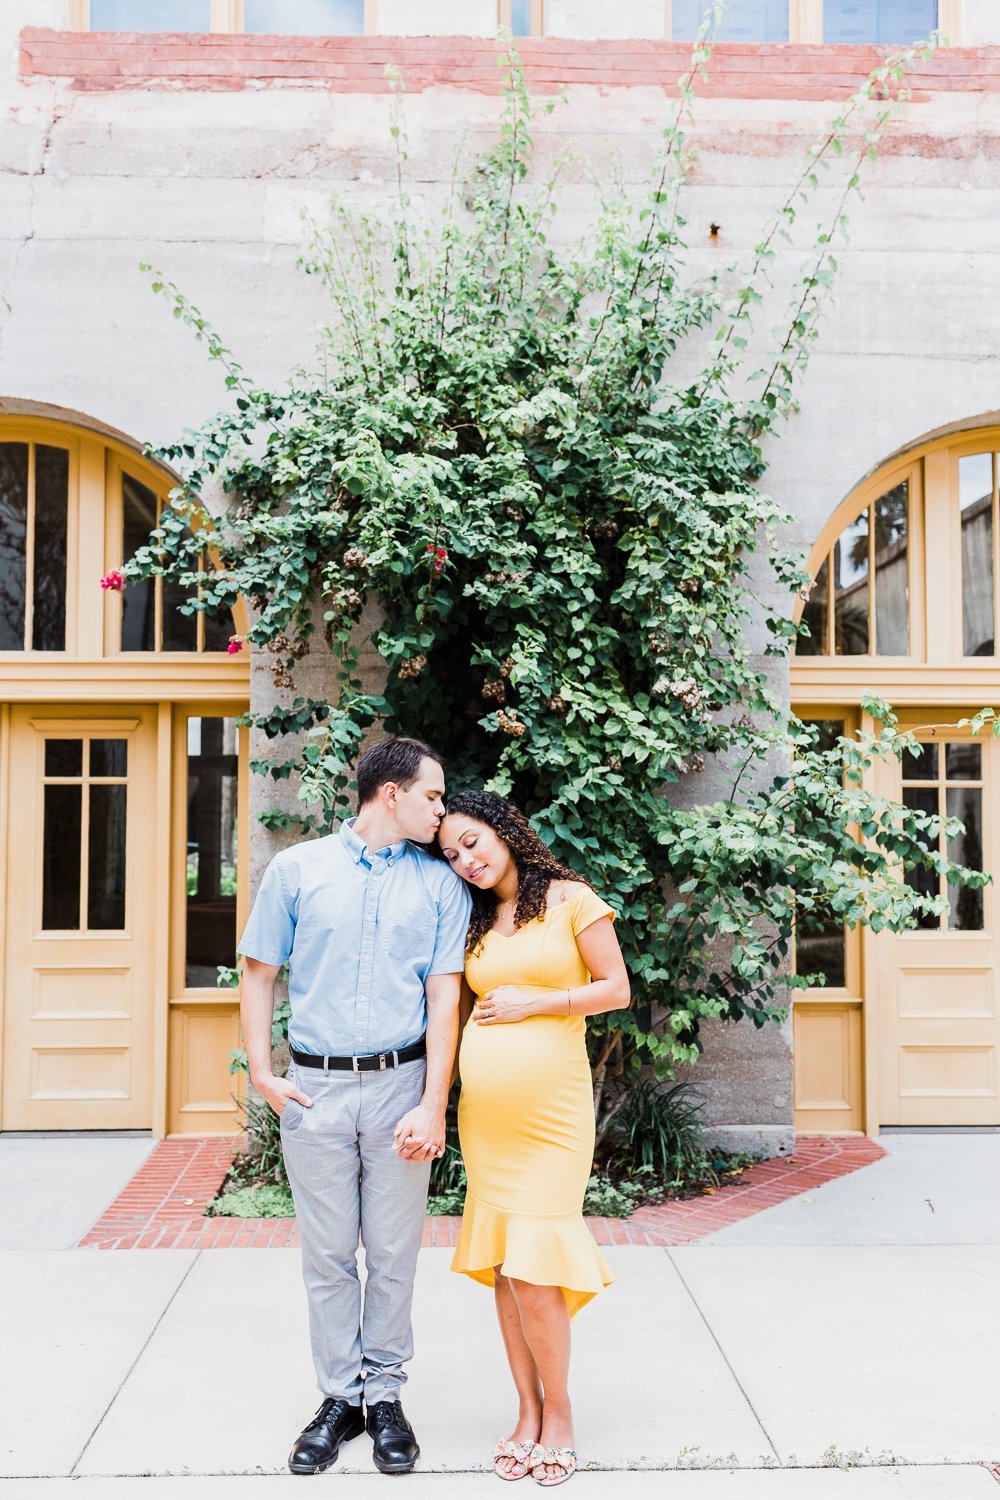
557, 1251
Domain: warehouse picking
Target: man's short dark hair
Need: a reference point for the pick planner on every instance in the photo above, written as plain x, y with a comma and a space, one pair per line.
395, 760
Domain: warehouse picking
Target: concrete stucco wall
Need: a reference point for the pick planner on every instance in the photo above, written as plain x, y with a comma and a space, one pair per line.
210, 187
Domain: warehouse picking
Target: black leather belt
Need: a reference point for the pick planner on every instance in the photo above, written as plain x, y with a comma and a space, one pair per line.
372, 1062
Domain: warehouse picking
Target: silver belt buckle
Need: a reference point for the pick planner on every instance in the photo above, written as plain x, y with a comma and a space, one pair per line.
382, 1062
354, 1064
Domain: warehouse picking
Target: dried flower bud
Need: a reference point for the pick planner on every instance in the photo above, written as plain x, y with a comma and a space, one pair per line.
356, 559
506, 666
495, 689
606, 531
557, 705
412, 668
511, 724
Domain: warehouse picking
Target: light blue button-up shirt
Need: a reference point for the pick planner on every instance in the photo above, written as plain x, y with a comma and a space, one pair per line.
361, 931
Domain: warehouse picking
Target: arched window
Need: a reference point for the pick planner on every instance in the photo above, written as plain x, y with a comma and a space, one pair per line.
74, 505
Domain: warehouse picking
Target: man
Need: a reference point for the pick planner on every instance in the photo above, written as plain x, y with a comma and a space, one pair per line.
373, 929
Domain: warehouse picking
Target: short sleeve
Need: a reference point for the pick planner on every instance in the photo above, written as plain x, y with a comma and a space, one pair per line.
270, 930
454, 911
587, 908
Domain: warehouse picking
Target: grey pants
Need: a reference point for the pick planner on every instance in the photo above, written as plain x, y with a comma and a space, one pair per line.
349, 1184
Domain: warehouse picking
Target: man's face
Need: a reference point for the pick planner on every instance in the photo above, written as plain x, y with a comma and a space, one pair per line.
420, 807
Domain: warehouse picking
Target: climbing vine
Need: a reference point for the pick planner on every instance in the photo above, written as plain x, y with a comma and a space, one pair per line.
570, 555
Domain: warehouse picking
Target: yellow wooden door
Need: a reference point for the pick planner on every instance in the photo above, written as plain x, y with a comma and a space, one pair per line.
80, 920
938, 1018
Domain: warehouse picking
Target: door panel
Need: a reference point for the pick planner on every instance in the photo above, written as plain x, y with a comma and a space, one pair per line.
938, 1013
80, 926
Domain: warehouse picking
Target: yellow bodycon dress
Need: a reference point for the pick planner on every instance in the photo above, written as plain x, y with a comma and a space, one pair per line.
526, 1115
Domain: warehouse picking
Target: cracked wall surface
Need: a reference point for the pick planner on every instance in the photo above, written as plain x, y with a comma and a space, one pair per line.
210, 187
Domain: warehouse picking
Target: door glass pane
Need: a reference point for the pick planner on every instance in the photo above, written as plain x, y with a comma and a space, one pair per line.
975, 496
742, 20
140, 513
211, 848
890, 22
824, 952
966, 910
108, 757
13, 538
963, 762
106, 858
925, 882
520, 17
815, 616
892, 595
306, 17
48, 624
64, 757
150, 15
61, 856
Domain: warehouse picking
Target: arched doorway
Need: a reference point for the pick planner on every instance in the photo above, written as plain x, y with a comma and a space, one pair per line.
123, 817
906, 1029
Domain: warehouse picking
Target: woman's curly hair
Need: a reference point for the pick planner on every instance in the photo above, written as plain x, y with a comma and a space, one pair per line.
536, 866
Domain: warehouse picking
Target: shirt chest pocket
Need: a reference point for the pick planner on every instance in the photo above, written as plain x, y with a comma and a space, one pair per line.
408, 935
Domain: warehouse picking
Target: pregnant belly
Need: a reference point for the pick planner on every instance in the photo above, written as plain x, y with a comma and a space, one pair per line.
526, 1114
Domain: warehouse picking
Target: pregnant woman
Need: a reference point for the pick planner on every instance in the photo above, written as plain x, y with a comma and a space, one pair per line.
541, 955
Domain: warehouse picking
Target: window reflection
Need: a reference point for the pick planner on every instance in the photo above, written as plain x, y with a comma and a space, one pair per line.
306, 17
13, 542
520, 17
816, 616
740, 21
892, 603
975, 498
150, 15
891, 23
950, 769
84, 846
850, 588
213, 768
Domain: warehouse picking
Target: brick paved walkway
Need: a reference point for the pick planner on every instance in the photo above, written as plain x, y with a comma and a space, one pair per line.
162, 1207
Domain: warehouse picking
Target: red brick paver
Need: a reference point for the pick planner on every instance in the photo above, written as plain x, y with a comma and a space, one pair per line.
162, 1207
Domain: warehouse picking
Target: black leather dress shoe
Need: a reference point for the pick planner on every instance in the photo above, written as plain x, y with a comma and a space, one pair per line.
318, 1445
395, 1450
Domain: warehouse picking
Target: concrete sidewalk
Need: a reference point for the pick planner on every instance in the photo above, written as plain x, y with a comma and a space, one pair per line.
187, 1362
795, 1370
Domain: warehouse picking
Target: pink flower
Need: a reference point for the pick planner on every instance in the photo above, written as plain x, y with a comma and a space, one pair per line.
235, 645
113, 581
430, 547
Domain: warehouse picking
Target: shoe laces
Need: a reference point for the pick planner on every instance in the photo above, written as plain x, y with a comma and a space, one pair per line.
331, 1409
385, 1412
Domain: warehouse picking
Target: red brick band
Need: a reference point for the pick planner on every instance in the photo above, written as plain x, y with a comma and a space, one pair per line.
356, 64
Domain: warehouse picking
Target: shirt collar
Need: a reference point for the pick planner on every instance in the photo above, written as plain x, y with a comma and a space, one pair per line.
360, 853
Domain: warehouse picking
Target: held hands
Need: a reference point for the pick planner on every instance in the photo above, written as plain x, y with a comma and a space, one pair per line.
278, 1091
515, 1002
419, 1136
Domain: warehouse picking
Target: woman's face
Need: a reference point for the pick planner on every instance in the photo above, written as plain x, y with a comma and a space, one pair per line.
474, 851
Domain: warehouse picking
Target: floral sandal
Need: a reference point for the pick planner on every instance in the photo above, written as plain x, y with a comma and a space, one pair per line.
565, 1458
520, 1452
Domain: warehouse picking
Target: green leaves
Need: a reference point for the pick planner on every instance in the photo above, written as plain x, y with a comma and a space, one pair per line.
561, 542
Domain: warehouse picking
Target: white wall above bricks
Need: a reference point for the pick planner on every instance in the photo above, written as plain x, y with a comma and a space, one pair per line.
437, 17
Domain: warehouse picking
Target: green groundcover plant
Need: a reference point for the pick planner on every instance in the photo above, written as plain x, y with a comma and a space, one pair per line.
569, 553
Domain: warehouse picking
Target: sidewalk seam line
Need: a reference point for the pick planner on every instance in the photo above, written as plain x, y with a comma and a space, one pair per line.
126, 1377
725, 1356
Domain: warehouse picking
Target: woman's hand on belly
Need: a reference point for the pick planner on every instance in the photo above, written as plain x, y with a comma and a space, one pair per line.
516, 1002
